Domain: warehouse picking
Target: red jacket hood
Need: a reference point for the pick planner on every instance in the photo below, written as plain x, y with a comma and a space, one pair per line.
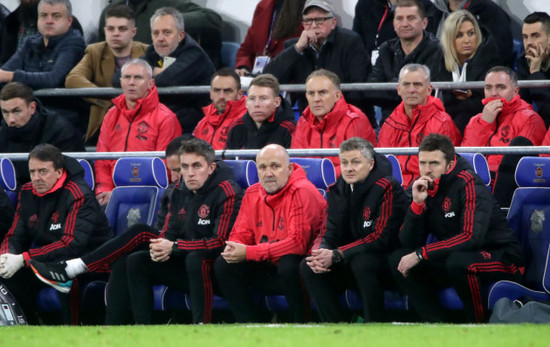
147, 104
237, 108
340, 109
510, 107
420, 115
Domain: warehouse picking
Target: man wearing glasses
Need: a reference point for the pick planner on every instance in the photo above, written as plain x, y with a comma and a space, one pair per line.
324, 45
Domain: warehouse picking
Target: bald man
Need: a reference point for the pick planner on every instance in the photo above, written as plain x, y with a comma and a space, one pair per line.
278, 220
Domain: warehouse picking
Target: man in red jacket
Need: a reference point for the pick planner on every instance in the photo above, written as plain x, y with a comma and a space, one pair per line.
137, 122
418, 115
329, 119
276, 225
506, 120
228, 104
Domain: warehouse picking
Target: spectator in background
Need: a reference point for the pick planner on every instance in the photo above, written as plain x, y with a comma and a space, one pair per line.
323, 45
274, 22
228, 105
46, 58
506, 120
136, 122
412, 45
27, 123
534, 64
101, 61
203, 24
177, 60
467, 53
418, 115
373, 22
489, 15
20, 24
329, 119
279, 218
269, 118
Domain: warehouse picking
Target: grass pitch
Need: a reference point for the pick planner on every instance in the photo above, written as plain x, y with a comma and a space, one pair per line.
280, 335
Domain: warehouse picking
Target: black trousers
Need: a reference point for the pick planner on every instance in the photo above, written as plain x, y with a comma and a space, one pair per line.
236, 280
24, 286
467, 272
133, 275
366, 272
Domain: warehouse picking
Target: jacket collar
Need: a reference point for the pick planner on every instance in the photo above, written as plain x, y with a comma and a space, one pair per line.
145, 105
297, 174
55, 187
337, 112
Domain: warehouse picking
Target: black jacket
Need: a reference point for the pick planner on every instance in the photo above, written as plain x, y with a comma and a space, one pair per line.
343, 53
245, 135
463, 215
368, 218
62, 224
391, 59
368, 17
43, 127
540, 96
191, 68
203, 220
6, 213
484, 59
490, 15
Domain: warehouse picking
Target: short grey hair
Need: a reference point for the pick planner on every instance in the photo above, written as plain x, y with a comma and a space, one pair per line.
67, 4
415, 67
138, 61
358, 143
169, 11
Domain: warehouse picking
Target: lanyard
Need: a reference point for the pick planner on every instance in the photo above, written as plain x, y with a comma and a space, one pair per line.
380, 25
271, 26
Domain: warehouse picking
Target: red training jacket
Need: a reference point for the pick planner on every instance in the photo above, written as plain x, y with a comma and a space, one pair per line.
287, 222
343, 122
214, 127
148, 127
517, 118
401, 131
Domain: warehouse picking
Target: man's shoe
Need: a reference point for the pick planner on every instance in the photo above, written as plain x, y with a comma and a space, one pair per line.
53, 274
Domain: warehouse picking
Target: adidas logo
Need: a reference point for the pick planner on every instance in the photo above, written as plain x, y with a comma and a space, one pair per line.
58, 277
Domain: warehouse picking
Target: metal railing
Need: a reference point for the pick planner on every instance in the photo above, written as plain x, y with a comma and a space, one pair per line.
313, 152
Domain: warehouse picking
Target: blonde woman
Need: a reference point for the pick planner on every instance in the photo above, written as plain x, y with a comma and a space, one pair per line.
468, 51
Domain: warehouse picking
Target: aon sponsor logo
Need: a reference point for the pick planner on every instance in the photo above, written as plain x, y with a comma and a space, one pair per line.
203, 221
367, 223
56, 226
450, 214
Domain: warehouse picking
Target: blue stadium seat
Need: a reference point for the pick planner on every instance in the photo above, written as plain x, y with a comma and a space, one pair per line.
229, 53
480, 166
319, 171
245, 172
88, 172
139, 184
8, 180
527, 216
395, 168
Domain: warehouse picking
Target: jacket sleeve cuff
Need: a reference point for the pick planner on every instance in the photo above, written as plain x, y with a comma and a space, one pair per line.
417, 208
26, 257
421, 253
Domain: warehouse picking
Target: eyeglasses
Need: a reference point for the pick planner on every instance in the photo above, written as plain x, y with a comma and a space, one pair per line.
318, 21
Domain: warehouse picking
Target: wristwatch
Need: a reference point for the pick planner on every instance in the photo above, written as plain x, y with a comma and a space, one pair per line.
419, 254
336, 256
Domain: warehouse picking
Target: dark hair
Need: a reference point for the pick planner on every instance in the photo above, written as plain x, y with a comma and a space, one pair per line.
121, 11
511, 73
47, 152
412, 3
266, 80
325, 73
537, 17
14, 90
227, 72
288, 19
438, 142
199, 147
358, 143
174, 145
